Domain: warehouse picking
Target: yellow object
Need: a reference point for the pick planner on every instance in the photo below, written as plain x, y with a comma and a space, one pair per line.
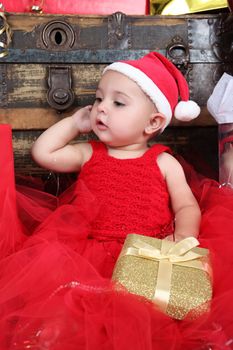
179, 7
176, 276
4, 30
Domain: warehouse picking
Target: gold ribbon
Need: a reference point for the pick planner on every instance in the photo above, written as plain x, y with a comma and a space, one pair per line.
179, 254
5, 28
37, 8
179, 7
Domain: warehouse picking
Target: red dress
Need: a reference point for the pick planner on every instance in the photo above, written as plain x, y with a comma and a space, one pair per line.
56, 261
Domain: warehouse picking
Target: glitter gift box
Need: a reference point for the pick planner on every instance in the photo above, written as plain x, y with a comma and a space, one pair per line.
176, 276
178, 7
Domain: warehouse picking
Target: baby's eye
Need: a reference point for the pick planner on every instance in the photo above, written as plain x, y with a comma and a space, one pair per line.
98, 99
119, 104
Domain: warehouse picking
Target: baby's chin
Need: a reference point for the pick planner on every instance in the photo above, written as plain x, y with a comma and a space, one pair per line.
114, 141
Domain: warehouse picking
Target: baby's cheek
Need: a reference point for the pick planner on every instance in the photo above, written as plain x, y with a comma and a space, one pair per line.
92, 119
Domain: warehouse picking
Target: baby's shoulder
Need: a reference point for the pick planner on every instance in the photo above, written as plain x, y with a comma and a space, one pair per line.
167, 163
85, 149
167, 157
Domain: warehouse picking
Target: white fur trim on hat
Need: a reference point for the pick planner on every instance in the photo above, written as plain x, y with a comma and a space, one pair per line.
186, 110
146, 84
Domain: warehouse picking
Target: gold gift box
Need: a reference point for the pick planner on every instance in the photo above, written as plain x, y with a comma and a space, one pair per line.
175, 276
179, 7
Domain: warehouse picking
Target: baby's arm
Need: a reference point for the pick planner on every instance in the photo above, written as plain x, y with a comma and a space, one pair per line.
184, 205
52, 149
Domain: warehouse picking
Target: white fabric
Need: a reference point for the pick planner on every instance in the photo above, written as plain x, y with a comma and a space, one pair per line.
187, 110
220, 102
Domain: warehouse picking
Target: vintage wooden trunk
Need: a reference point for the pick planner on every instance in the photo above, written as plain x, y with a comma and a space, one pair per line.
54, 63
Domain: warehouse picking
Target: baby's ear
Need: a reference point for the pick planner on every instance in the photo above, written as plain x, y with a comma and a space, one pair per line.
156, 122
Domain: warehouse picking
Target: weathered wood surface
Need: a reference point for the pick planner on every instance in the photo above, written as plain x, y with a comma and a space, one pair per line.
93, 42
86, 44
39, 118
199, 146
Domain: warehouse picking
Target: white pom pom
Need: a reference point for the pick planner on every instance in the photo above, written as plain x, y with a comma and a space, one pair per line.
186, 111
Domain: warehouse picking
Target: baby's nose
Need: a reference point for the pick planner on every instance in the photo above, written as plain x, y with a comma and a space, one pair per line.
102, 106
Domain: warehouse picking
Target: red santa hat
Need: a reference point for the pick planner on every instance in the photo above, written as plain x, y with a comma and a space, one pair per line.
163, 83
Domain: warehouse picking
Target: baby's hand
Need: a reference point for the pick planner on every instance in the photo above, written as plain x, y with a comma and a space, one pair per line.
82, 119
170, 237
176, 238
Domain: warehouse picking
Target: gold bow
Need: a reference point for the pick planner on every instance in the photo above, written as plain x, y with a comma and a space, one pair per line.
37, 7
5, 28
170, 253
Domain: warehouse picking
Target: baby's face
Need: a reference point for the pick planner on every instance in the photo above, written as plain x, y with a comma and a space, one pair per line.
121, 110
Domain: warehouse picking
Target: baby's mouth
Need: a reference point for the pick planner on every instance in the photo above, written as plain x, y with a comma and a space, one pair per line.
100, 125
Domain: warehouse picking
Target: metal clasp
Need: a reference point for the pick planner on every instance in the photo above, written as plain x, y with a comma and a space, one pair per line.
178, 53
119, 33
60, 95
57, 35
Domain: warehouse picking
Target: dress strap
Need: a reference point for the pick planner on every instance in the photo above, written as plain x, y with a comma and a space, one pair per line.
155, 150
99, 149
97, 145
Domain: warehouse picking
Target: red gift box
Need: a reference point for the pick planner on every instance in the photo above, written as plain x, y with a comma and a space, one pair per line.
82, 7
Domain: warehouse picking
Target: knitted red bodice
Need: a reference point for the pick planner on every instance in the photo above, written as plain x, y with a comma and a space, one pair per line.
132, 194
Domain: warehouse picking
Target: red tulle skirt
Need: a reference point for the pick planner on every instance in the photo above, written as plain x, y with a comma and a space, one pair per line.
55, 282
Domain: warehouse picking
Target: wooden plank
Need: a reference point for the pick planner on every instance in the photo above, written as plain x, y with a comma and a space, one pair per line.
25, 89
27, 21
39, 118
188, 142
91, 37
27, 85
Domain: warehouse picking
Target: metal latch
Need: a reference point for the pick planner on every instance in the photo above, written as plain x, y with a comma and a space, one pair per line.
119, 31
60, 94
178, 53
56, 35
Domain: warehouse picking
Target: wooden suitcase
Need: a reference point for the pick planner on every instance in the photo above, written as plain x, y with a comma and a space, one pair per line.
54, 63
